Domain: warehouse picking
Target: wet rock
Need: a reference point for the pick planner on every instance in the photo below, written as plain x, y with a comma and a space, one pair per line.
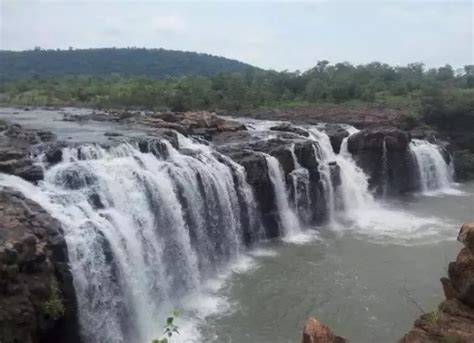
33, 261
256, 169
112, 134
32, 173
372, 140
384, 155
315, 332
287, 127
336, 134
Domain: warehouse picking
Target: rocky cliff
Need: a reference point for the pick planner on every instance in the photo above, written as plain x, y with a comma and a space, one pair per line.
453, 321
37, 299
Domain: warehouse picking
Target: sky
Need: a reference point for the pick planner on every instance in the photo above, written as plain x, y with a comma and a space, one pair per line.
281, 35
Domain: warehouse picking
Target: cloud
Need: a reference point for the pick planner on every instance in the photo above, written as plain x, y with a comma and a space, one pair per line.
174, 23
268, 34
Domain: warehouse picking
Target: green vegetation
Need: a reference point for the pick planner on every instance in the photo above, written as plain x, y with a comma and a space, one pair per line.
440, 97
153, 63
436, 93
54, 307
432, 317
169, 330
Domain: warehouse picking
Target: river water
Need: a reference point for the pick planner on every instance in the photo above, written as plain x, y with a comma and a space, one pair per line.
366, 283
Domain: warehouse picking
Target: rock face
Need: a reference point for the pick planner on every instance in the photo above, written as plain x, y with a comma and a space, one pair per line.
315, 332
37, 298
287, 127
384, 155
336, 135
454, 319
16, 149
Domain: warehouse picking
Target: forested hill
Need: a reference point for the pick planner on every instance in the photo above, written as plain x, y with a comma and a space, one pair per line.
152, 63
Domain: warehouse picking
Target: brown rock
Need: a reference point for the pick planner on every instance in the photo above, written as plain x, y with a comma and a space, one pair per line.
466, 236
315, 332
29, 239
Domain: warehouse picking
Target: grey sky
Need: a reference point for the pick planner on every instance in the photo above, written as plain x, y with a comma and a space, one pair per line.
280, 35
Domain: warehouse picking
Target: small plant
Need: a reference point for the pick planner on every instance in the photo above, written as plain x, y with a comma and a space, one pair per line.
432, 317
170, 329
54, 307
451, 339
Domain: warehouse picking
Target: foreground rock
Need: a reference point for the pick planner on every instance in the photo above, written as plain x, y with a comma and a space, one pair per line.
454, 319
37, 298
315, 332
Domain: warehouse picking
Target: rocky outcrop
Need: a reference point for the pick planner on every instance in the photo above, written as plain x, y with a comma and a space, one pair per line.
315, 332
384, 155
453, 321
287, 127
336, 134
16, 145
187, 123
37, 298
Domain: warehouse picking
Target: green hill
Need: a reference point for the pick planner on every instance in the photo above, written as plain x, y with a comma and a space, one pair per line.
152, 63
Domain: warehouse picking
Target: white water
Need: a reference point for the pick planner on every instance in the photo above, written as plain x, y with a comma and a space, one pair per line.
434, 173
289, 221
143, 231
353, 193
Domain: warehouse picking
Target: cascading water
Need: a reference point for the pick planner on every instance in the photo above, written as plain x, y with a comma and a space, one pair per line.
142, 230
434, 173
352, 193
288, 220
148, 225
300, 187
384, 169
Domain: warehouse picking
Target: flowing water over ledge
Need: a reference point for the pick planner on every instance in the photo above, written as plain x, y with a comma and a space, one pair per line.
156, 228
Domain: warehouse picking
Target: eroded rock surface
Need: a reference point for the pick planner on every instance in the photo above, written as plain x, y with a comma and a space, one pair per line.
37, 298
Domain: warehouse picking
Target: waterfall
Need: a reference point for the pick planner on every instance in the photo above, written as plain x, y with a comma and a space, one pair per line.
385, 175
288, 220
300, 188
434, 173
352, 193
143, 230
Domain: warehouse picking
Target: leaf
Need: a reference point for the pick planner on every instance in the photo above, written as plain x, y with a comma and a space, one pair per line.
169, 320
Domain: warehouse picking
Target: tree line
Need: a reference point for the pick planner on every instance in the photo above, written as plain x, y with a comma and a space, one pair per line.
437, 93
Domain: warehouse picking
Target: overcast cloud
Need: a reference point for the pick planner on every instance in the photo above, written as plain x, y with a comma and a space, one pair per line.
279, 35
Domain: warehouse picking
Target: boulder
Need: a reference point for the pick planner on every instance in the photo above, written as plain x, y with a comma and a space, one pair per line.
287, 127
315, 332
37, 297
383, 154
336, 134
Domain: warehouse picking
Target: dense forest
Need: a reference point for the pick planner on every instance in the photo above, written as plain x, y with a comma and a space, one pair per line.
153, 63
441, 97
